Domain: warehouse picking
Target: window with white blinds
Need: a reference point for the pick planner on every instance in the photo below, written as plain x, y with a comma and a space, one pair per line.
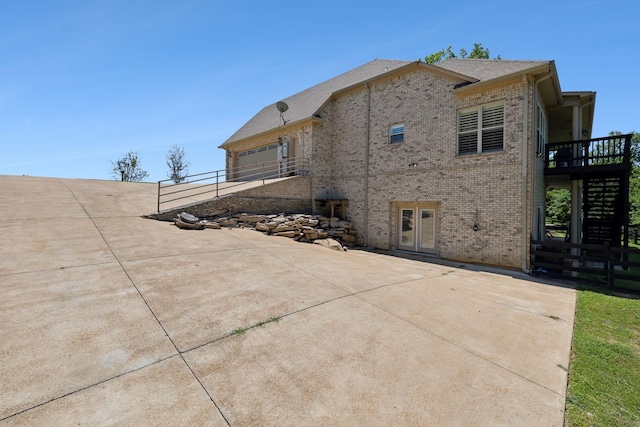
481, 129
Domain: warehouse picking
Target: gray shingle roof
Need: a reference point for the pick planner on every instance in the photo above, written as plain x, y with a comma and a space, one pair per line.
303, 105
488, 69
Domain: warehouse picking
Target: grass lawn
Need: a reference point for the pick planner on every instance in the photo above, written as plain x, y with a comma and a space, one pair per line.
604, 378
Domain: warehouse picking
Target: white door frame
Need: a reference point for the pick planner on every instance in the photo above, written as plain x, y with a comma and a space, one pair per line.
417, 227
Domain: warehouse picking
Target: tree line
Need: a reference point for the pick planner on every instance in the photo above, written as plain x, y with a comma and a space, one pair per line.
129, 167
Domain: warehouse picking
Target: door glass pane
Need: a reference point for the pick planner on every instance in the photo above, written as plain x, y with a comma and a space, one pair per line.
427, 228
407, 227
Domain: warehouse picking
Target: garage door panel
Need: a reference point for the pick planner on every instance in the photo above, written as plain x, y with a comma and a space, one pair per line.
250, 163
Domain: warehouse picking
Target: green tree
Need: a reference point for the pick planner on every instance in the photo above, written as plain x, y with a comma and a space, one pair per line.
635, 144
178, 166
634, 178
127, 168
478, 52
558, 206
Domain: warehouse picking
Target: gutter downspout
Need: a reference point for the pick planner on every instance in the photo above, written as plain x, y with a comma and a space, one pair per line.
525, 183
366, 166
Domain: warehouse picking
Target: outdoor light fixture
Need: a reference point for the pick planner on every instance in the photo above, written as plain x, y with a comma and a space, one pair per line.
476, 227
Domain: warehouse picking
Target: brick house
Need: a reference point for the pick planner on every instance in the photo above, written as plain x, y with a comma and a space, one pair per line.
444, 159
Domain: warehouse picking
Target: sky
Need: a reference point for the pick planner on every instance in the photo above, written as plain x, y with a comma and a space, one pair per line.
84, 82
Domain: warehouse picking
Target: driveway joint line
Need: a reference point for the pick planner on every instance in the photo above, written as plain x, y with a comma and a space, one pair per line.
309, 307
45, 270
89, 386
460, 347
124, 270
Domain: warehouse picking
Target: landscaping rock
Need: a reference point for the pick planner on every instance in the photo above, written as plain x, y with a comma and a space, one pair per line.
264, 227
229, 223
331, 232
287, 233
251, 218
187, 217
348, 238
329, 243
188, 226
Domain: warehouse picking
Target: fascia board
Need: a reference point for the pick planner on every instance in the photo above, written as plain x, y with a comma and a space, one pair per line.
283, 129
499, 81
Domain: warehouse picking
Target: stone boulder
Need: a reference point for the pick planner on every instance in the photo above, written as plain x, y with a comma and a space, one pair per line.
329, 243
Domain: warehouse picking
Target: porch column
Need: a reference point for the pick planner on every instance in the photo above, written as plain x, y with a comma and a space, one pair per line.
576, 185
576, 188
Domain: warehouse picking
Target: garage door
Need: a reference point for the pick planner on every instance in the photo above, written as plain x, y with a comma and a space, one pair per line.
251, 163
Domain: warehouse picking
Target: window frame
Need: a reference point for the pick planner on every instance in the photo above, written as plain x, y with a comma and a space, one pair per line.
542, 130
475, 130
392, 134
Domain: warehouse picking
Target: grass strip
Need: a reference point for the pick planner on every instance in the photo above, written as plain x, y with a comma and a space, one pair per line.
604, 378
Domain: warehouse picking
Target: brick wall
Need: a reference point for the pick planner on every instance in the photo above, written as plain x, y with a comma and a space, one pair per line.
484, 188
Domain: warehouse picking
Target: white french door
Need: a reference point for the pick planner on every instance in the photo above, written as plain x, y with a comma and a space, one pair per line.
417, 229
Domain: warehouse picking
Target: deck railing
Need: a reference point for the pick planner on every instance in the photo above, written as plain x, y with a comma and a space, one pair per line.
598, 264
213, 183
613, 152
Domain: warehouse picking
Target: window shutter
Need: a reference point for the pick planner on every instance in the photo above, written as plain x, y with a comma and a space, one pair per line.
468, 144
468, 132
492, 140
492, 128
493, 116
468, 121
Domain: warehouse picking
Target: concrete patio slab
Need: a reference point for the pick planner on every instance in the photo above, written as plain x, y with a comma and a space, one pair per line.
205, 297
517, 338
350, 363
161, 239
110, 318
52, 244
37, 198
65, 330
164, 393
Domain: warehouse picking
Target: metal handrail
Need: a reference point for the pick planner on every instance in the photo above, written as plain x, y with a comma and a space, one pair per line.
210, 182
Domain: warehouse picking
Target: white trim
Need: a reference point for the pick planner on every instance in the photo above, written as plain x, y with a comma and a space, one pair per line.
471, 121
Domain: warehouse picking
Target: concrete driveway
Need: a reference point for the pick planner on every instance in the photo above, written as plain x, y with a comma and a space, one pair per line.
110, 319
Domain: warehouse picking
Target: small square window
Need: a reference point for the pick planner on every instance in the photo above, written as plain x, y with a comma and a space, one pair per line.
396, 134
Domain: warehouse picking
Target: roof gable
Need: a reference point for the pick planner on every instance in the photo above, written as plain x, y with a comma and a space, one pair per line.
304, 104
